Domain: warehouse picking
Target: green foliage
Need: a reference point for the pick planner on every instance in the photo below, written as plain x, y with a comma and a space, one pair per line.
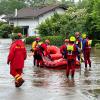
94, 42
29, 39
73, 20
50, 26
17, 30
8, 6
96, 14
54, 40
97, 45
5, 30
93, 19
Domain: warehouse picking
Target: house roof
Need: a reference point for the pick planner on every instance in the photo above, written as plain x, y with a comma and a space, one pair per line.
30, 12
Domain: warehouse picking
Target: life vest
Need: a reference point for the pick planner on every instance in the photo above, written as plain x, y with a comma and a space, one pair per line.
88, 44
71, 51
34, 44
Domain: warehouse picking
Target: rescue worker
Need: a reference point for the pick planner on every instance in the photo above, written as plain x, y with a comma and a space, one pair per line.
79, 44
44, 47
71, 53
34, 45
86, 48
40, 49
16, 57
63, 48
39, 54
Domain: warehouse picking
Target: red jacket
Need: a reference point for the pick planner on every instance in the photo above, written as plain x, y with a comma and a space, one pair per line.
17, 54
63, 49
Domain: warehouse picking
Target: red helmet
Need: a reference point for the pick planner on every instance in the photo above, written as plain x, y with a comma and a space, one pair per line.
19, 35
37, 38
66, 40
47, 41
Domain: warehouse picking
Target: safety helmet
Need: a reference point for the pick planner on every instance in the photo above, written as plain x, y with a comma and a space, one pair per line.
77, 34
37, 38
19, 35
66, 40
84, 35
72, 39
47, 41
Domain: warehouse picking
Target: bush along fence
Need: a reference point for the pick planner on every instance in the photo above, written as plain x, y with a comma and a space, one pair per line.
54, 40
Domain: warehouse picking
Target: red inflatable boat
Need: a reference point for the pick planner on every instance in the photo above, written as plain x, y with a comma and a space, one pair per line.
58, 62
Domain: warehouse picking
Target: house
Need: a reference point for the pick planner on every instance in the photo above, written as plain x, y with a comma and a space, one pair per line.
29, 18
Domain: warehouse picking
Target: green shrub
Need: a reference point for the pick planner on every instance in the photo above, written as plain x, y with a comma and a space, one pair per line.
97, 45
29, 39
95, 42
5, 30
17, 29
54, 40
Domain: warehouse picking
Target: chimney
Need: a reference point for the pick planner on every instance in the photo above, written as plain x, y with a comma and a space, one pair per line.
16, 12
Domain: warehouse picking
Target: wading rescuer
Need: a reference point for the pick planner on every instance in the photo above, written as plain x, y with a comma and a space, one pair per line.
34, 45
71, 54
79, 44
86, 48
16, 57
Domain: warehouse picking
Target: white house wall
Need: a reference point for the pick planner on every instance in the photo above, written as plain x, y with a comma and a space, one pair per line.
27, 22
49, 14
33, 23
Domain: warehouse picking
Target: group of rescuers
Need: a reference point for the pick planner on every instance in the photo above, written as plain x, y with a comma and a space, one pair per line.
71, 50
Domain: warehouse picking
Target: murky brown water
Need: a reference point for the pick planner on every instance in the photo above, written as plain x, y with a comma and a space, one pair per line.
44, 84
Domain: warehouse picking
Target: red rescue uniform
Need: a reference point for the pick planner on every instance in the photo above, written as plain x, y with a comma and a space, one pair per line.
72, 52
86, 51
16, 57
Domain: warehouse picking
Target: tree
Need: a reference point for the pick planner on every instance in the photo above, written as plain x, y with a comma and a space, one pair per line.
96, 18
8, 6
73, 20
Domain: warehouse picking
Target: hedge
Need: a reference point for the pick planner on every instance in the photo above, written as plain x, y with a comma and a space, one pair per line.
95, 42
97, 45
29, 39
54, 40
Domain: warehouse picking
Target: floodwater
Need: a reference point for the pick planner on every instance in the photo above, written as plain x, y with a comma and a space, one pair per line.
46, 84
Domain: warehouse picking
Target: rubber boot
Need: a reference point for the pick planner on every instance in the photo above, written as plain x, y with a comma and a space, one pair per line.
72, 77
90, 67
85, 66
19, 81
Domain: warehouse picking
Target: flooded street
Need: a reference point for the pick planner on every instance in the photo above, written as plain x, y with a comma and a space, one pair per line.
46, 84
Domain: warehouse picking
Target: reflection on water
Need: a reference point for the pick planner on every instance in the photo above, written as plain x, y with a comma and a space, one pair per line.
46, 84
86, 73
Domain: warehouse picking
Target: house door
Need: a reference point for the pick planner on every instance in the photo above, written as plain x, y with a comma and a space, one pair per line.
25, 30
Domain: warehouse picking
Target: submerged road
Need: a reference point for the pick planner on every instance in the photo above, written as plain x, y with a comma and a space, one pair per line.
45, 84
